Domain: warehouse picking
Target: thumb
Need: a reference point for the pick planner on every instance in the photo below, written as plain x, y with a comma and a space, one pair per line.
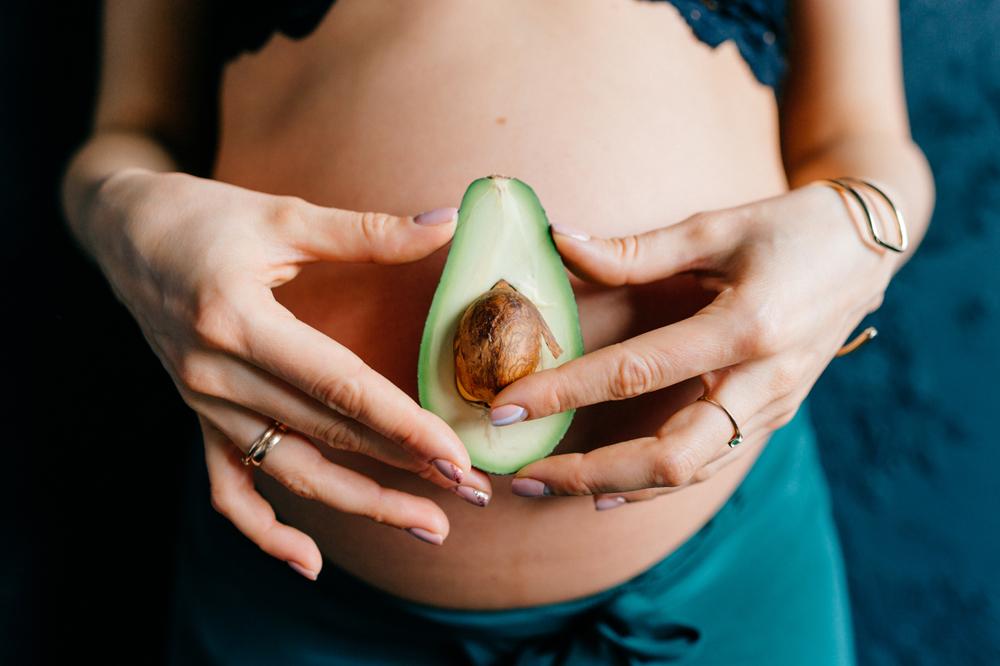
332, 234
638, 258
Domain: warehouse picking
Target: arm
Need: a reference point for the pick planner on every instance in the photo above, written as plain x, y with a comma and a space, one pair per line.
776, 321
156, 105
844, 107
195, 260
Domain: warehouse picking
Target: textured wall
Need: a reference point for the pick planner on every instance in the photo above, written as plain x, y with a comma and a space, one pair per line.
909, 424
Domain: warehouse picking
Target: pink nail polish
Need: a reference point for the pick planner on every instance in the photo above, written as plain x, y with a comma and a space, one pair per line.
449, 469
529, 488
507, 414
472, 495
436, 216
572, 233
426, 535
311, 575
606, 503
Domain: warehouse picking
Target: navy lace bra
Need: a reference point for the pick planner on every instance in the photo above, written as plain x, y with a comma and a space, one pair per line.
758, 27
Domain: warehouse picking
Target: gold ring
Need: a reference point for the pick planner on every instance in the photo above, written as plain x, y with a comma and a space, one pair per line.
267, 441
737, 437
860, 339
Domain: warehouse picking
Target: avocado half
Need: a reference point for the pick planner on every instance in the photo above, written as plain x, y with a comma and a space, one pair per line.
502, 243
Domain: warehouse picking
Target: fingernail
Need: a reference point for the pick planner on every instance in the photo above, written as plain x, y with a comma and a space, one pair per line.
311, 575
472, 495
529, 488
572, 233
426, 535
449, 469
507, 414
606, 503
436, 216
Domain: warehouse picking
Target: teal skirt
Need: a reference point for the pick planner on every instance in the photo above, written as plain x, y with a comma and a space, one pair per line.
761, 583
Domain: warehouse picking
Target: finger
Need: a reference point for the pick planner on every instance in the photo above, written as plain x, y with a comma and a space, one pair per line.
762, 396
332, 234
300, 355
299, 466
696, 242
250, 387
605, 501
768, 376
712, 338
235, 497
691, 437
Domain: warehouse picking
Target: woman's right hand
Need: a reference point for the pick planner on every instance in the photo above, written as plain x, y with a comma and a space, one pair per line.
195, 261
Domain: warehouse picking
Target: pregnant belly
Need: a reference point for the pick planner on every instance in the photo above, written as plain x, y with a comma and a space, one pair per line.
619, 119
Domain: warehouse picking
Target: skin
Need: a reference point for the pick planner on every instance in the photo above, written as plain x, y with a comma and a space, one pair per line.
268, 291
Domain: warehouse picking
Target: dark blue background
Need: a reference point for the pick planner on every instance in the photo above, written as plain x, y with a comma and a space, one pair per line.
910, 424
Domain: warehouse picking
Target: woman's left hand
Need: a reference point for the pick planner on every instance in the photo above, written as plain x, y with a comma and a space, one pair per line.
794, 275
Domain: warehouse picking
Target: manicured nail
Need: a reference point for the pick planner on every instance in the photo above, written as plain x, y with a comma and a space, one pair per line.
572, 233
507, 414
436, 216
426, 535
529, 488
311, 575
606, 503
449, 469
472, 495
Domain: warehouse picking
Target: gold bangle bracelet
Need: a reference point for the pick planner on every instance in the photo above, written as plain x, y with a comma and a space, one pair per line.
860, 339
842, 184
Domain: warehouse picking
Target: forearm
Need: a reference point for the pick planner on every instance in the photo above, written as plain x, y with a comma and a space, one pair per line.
156, 105
896, 164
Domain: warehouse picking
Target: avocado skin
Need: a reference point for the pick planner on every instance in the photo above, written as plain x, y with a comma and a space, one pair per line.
560, 290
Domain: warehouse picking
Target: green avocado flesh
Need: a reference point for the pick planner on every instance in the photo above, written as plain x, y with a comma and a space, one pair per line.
502, 234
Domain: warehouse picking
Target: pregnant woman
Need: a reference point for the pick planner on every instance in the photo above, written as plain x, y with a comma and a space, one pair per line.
253, 189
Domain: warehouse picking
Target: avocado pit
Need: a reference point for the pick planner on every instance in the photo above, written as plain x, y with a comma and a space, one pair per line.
498, 341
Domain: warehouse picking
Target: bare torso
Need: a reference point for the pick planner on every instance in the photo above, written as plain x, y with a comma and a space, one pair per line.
619, 119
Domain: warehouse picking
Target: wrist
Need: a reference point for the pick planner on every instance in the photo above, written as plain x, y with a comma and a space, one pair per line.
105, 158
876, 216
867, 265
101, 215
